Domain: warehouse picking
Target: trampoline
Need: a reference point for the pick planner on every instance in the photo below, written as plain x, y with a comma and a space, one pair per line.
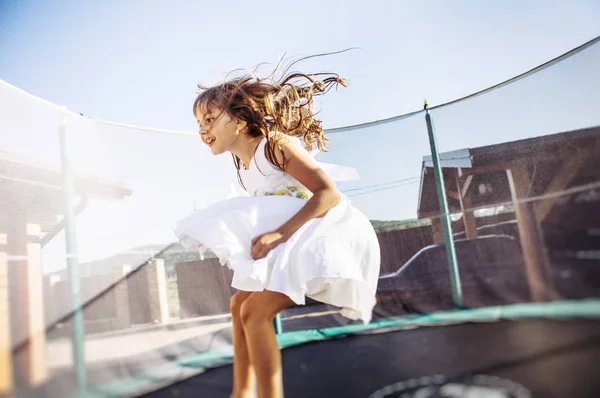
487, 210
508, 358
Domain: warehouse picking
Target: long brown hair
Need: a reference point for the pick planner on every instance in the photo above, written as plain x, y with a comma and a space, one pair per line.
283, 105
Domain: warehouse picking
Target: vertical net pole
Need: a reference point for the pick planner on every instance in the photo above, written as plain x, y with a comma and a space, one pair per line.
72, 261
277, 324
448, 238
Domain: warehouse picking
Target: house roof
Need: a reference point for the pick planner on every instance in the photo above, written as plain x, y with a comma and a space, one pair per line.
32, 191
481, 172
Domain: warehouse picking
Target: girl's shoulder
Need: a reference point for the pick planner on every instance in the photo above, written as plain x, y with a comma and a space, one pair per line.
280, 141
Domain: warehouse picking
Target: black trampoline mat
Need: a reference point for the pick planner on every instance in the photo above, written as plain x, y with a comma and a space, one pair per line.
548, 358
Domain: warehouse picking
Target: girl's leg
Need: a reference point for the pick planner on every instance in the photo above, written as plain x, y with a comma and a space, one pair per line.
243, 373
257, 315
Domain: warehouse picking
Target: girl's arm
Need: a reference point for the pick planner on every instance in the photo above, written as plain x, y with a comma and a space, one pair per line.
305, 169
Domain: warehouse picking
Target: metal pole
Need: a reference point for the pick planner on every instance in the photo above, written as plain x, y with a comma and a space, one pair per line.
447, 226
72, 260
277, 324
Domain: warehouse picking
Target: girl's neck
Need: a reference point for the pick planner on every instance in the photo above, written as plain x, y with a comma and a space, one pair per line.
246, 148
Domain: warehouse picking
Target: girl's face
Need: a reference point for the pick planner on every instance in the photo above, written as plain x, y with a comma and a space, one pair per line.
218, 130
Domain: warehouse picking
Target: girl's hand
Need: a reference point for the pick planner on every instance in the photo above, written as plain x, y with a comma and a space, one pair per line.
263, 244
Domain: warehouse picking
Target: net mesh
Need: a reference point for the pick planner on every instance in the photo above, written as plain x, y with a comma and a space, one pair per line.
533, 147
520, 170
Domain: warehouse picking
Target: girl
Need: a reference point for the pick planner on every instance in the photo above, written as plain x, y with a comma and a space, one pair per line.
293, 234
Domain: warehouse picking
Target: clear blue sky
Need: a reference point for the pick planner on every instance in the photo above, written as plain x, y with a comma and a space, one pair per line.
138, 62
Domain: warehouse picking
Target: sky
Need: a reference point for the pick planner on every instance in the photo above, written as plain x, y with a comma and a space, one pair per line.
139, 63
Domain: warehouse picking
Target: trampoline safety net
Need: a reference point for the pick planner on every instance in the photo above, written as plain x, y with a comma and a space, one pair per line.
98, 298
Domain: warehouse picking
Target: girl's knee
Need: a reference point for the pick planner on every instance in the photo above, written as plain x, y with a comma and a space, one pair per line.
236, 301
251, 314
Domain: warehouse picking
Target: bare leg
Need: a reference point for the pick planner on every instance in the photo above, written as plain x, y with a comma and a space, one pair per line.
257, 315
243, 372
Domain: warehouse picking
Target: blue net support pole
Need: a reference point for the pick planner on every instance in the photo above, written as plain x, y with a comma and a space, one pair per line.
277, 324
447, 226
72, 260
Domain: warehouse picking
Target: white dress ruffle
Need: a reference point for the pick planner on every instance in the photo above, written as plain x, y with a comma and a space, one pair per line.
334, 259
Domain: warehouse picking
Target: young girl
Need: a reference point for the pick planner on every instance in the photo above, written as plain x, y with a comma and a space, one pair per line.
294, 234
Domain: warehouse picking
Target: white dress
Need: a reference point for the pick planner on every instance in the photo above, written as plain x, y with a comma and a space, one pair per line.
334, 259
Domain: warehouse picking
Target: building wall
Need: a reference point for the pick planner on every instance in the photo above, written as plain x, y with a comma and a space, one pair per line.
204, 288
